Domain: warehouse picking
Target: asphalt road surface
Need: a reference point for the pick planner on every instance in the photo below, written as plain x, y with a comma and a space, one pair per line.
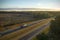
30, 35
19, 28
30, 31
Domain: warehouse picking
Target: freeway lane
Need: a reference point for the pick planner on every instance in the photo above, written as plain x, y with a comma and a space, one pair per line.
32, 30
19, 28
30, 35
21, 33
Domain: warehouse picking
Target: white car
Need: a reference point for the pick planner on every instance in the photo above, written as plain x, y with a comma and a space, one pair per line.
24, 24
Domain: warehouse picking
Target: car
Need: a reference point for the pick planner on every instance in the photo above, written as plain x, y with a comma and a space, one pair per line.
25, 25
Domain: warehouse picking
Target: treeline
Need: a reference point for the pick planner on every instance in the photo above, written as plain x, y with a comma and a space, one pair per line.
54, 32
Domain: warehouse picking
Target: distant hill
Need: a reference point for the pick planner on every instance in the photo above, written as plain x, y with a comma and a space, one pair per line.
26, 9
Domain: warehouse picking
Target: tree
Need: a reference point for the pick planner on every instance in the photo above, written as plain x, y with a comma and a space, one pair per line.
42, 36
55, 29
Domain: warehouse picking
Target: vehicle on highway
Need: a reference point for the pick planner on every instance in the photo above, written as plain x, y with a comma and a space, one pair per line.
24, 25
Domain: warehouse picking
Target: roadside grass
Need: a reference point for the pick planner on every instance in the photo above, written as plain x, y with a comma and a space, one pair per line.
23, 31
45, 31
14, 25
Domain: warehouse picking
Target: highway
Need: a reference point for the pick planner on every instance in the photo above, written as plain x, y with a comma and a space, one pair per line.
33, 33
28, 32
19, 28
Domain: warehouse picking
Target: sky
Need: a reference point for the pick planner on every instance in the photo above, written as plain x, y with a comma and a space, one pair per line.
49, 4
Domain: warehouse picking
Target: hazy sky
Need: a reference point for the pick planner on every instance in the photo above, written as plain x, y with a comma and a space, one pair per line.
30, 4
